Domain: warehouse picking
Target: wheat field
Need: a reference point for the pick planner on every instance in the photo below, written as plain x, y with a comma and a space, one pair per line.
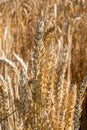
43, 65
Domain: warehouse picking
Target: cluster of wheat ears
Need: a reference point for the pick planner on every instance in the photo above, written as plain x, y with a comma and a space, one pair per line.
43, 65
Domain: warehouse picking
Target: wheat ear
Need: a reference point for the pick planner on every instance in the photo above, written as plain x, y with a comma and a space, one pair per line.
79, 101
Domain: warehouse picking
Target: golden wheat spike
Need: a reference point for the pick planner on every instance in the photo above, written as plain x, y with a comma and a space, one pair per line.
38, 60
48, 35
69, 122
79, 101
